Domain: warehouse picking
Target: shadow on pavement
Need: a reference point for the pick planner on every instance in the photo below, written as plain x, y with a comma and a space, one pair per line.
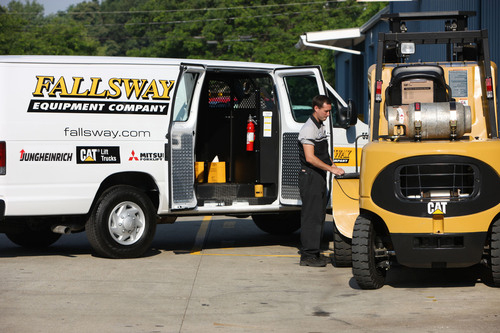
180, 238
405, 277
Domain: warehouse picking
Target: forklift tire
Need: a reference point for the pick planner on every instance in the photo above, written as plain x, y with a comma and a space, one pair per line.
364, 266
278, 224
342, 249
495, 253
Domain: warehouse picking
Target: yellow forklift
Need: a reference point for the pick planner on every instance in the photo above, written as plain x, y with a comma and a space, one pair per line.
429, 179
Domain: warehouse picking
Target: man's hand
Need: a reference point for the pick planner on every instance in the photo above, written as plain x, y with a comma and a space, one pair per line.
336, 171
315, 161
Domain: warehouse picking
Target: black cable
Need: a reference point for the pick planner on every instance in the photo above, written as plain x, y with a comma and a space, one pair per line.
347, 195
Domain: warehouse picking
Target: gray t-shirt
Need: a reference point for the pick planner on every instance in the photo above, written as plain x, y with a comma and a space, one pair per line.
314, 133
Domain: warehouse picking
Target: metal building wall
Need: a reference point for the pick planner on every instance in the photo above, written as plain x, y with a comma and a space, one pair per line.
490, 19
348, 69
487, 17
353, 84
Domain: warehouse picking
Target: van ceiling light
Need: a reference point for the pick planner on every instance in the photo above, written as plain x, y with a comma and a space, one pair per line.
407, 48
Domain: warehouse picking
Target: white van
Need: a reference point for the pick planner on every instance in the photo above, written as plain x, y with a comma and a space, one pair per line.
114, 146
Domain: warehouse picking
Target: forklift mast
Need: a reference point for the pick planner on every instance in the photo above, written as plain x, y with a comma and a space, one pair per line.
462, 45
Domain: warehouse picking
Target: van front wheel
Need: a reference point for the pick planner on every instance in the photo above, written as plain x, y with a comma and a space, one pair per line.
122, 224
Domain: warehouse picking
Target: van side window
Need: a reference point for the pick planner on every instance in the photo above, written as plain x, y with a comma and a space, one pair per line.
301, 90
184, 96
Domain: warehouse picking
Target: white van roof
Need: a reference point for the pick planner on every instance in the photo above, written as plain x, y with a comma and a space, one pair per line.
130, 60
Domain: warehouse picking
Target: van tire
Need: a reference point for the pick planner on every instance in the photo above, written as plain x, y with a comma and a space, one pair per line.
342, 249
364, 266
278, 224
495, 253
113, 234
33, 239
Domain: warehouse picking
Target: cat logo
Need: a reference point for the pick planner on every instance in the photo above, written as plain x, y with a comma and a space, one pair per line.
98, 155
436, 208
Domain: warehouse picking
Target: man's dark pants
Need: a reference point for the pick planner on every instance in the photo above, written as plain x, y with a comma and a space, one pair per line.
312, 186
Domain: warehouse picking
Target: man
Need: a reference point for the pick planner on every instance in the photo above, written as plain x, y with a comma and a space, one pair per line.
315, 162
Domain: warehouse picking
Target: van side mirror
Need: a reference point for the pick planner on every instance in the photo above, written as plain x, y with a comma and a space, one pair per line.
347, 116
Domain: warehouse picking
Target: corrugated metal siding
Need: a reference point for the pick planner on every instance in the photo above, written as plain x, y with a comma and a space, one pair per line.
433, 53
370, 58
487, 17
490, 19
490, 14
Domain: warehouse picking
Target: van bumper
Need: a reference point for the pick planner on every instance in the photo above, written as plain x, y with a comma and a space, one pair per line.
2, 209
439, 250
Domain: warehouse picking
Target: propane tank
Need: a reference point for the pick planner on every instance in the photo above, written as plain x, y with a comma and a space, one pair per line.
445, 120
250, 133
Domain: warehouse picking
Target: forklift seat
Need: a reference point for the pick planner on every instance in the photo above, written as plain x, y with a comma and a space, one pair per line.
400, 74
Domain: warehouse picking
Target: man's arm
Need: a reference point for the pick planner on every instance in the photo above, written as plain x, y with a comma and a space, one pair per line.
315, 161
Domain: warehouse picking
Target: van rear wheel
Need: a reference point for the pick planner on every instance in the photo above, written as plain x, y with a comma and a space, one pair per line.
278, 224
368, 270
495, 253
122, 224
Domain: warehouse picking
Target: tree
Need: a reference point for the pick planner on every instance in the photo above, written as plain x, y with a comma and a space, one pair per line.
259, 30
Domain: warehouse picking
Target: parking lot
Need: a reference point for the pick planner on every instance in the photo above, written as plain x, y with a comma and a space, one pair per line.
221, 274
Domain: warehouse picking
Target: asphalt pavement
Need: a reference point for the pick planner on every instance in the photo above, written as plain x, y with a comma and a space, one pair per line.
222, 274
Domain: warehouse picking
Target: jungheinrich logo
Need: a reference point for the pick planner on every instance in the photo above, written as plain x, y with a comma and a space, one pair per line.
45, 157
116, 95
98, 155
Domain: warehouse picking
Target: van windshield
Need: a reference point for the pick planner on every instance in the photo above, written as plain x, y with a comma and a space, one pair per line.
301, 90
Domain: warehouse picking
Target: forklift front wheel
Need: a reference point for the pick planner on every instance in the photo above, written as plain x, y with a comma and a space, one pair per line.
495, 253
366, 267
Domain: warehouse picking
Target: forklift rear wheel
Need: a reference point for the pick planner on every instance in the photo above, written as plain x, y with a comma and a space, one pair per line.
278, 224
342, 249
367, 271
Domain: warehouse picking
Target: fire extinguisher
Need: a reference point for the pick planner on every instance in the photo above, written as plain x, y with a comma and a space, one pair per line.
250, 133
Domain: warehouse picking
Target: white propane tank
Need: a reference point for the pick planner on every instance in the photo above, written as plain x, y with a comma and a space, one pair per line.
446, 120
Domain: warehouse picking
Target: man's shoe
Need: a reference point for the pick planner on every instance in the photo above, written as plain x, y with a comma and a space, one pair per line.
327, 260
312, 262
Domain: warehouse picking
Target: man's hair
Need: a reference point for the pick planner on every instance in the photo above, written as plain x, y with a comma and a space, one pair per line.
319, 100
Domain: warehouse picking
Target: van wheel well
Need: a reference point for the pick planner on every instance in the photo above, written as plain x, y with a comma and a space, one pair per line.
140, 180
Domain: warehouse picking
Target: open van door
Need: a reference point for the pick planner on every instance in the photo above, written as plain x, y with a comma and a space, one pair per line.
296, 88
182, 136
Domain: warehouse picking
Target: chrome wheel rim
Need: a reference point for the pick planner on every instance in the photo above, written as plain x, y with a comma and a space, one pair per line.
127, 223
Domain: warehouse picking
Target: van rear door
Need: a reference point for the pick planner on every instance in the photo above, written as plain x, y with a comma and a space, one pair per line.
296, 88
182, 136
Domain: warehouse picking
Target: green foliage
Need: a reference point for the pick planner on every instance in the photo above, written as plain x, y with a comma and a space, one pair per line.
258, 30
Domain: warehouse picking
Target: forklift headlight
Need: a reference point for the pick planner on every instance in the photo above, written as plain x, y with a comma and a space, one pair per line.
407, 49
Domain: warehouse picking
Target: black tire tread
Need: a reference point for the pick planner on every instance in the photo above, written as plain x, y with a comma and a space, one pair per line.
342, 249
363, 266
495, 253
96, 229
